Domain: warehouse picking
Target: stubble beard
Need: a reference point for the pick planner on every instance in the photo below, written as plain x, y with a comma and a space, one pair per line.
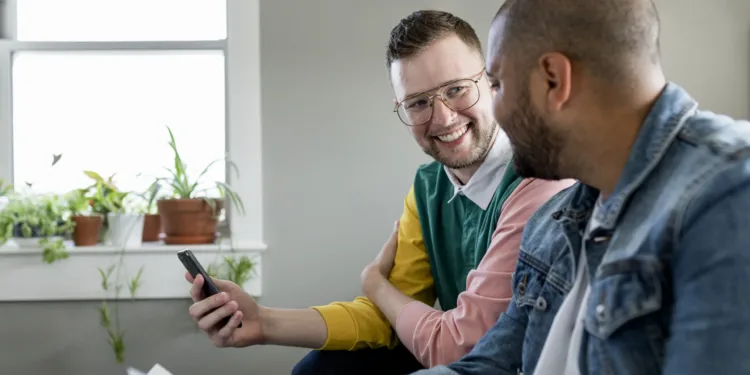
536, 147
481, 142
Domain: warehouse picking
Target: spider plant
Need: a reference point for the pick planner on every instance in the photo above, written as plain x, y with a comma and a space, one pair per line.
183, 187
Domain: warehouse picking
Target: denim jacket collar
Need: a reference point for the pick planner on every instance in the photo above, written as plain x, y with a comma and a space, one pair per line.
659, 129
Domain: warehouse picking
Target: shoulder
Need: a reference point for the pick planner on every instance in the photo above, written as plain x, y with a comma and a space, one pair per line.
719, 136
429, 171
717, 161
721, 192
426, 179
543, 234
536, 191
430, 180
529, 196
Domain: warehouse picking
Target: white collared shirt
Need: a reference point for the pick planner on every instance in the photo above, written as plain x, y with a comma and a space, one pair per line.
482, 186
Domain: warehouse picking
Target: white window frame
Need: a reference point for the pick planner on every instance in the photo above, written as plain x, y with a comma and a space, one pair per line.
243, 143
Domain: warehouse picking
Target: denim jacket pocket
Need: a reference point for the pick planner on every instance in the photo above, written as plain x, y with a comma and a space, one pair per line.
623, 291
530, 286
622, 315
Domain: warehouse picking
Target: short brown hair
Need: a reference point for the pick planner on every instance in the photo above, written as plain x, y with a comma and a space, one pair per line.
420, 29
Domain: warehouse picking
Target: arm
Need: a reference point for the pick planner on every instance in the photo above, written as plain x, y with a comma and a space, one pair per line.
498, 352
436, 337
710, 328
303, 328
359, 324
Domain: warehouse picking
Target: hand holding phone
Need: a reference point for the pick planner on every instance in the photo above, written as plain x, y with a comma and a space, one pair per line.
195, 268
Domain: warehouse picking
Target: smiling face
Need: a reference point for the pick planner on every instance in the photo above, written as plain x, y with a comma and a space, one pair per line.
448, 68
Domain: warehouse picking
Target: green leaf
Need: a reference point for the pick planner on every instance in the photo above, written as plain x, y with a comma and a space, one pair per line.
94, 176
104, 319
135, 283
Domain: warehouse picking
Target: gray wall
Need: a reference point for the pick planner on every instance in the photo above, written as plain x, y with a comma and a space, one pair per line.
337, 164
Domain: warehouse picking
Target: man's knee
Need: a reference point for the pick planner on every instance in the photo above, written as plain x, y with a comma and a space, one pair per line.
362, 362
310, 364
318, 362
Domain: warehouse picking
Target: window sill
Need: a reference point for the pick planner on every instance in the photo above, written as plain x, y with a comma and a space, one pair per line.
27, 278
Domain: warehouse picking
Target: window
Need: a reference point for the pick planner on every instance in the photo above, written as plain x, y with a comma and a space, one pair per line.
99, 81
107, 110
120, 20
111, 108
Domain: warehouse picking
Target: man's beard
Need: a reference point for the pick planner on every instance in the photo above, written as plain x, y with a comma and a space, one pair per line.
536, 148
481, 141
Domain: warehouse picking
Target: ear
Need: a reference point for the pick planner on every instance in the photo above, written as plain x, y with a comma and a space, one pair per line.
556, 70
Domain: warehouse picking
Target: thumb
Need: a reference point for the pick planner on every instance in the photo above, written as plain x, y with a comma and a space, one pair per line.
394, 234
393, 240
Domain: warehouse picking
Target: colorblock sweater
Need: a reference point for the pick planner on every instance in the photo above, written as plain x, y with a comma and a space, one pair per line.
456, 244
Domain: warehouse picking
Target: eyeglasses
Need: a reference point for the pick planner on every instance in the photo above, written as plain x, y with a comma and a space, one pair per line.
457, 95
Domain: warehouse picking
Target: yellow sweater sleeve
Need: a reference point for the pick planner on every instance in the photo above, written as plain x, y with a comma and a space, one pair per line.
359, 324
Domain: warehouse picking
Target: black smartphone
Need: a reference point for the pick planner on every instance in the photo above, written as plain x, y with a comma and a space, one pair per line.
195, 268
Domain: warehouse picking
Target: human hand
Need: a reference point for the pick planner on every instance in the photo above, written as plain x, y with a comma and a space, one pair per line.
231, 302
379, 269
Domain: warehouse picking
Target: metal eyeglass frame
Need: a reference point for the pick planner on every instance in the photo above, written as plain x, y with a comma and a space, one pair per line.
438, 93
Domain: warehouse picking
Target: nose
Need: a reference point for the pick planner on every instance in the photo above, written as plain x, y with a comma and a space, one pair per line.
441, 114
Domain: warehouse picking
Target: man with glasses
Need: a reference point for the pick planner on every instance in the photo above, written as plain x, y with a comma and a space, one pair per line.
456, 242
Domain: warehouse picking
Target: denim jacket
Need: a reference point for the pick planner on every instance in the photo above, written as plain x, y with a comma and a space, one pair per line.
669, 269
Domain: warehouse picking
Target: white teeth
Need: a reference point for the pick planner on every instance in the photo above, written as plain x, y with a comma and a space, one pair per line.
453, 136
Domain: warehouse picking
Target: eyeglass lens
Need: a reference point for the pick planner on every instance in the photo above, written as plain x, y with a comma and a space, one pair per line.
458, 96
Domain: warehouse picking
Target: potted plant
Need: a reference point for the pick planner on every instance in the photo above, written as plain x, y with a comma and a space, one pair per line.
36, 221
191, 215
104, 197
152, 227
125, 224
87, 223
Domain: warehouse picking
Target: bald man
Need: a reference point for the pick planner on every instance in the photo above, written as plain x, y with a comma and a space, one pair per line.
643, 266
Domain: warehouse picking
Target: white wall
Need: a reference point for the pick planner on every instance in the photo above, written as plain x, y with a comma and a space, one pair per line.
706, 48
337, 164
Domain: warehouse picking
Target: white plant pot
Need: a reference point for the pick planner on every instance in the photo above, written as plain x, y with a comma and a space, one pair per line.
125, 230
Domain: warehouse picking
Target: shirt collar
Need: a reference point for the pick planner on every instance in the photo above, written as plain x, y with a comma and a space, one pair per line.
482, 186
658, 131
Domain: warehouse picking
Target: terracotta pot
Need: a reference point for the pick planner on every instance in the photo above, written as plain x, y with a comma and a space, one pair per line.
86, 231
189, 221
151, 227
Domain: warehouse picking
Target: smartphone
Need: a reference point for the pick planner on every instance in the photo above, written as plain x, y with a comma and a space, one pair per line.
195, 268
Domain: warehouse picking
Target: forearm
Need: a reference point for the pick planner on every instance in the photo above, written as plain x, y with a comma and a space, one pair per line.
389, 300
293, 327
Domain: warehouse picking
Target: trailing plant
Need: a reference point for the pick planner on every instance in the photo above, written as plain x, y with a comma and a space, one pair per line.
44, 217
109, 313
104, 197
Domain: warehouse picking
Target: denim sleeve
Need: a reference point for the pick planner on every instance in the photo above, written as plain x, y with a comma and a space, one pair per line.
710, 329
500, 350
